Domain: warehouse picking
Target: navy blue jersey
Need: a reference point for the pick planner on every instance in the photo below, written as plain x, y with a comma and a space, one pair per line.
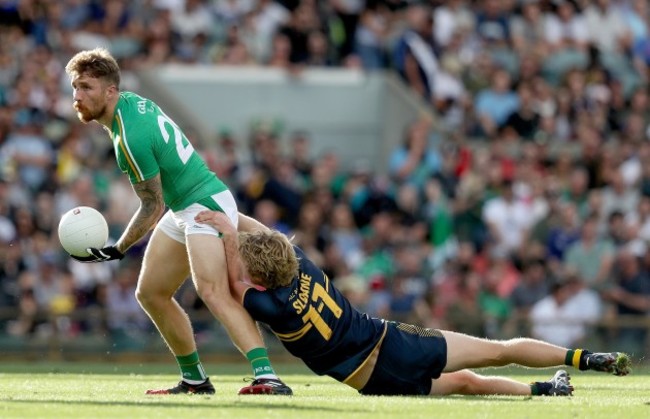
316, 323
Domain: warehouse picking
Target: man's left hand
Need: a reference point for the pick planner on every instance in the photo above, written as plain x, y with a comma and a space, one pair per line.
216, 219
100, 255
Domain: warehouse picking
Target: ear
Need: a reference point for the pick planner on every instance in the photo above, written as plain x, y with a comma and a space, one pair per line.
111, 91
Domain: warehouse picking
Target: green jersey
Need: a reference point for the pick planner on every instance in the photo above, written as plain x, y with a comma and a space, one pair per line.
148, 142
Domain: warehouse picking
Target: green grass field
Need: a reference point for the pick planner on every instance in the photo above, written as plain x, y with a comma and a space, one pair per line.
82, 390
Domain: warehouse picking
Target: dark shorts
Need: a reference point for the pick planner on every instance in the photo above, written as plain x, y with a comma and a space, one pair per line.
409, 358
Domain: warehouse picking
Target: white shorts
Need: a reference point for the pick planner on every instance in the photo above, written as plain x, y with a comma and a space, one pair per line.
179, 224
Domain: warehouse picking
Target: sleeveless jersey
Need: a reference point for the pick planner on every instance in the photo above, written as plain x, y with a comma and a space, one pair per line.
148, 142
315, 322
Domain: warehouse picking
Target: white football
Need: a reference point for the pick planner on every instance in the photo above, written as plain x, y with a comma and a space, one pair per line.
81, 228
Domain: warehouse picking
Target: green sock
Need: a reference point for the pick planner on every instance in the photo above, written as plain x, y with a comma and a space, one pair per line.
576, 358
191, 369
540, 388
568, 358
259, 359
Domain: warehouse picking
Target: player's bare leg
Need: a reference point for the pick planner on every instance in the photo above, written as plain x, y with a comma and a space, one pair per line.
464, 351
164, 268
209, 273
469, 383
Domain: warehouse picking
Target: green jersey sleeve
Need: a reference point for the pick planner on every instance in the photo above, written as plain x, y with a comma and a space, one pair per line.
147, 142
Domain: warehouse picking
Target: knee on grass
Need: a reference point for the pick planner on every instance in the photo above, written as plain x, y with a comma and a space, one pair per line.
459, 382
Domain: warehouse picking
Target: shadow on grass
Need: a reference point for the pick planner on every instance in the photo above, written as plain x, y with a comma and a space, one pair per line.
487, 398
227, 405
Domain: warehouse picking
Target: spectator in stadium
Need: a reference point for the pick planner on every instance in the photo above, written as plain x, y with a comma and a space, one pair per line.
181, 181
617, 196
344, 234
124, 317
528, 29
414, 55
269, 214
630, 293
525, 120
375, 356
415, 160
371, 35
576, 191
29, 315
348, 13
639, 220
591, 256
495, 104
533, 286
567, 36
450, 18
300, 153
563, 316
565, 233
27, 150
304, 20
606, 27
508, 220
318, 54
635, 16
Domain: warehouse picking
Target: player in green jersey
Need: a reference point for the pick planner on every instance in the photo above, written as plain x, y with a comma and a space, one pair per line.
164, 170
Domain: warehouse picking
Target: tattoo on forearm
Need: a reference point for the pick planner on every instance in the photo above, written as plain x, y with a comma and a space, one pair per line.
151, 206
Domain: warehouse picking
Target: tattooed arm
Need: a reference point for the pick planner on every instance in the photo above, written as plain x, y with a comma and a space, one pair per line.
151, 207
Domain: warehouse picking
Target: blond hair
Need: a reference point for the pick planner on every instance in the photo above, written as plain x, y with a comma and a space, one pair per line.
269, 257
97, 63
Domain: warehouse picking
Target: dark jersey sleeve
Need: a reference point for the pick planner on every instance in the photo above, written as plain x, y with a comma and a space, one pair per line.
260, 305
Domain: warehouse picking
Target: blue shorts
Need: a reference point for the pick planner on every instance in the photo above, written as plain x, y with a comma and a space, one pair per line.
409, 358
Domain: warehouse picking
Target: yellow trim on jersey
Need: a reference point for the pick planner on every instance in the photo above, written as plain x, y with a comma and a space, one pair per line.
293, 336
125, 151
363, 364
327, 284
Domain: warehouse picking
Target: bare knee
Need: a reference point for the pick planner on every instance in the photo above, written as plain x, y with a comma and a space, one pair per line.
151, 299
470, 383
459, 382
217, 301
146, 300
501, 356
498, 353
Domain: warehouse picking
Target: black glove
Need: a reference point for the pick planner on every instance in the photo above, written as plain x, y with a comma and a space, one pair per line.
100, 255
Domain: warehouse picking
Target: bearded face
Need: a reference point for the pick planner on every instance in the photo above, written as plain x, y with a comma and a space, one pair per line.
90, 96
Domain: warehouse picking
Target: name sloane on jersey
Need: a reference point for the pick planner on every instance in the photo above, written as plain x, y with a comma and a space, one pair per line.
303, 295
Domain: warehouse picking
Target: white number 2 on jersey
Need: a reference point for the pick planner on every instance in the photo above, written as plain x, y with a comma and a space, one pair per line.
184, 152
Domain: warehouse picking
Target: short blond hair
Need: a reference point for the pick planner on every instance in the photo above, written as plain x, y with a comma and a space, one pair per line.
269, 257
97, 63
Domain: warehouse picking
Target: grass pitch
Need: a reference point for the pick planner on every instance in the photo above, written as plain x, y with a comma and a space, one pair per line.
117, 391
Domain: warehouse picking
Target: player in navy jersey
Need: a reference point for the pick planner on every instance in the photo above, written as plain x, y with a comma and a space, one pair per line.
316, 323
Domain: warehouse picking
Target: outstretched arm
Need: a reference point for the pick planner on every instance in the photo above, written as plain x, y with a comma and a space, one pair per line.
151, 207
222, 223
249, 224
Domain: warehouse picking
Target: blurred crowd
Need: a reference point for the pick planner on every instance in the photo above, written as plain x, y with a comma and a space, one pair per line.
523, 209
